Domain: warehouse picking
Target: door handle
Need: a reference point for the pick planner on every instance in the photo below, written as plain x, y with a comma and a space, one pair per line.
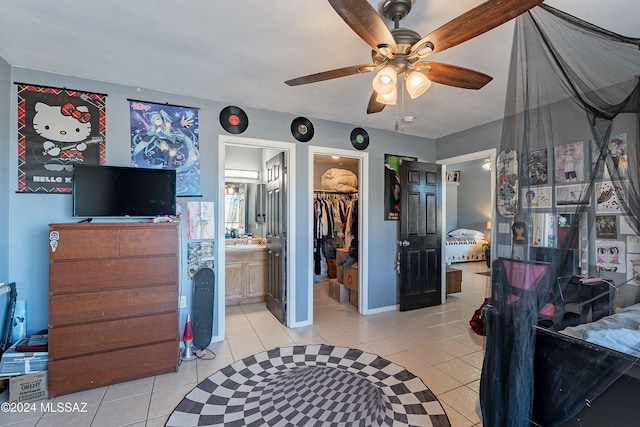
404, 243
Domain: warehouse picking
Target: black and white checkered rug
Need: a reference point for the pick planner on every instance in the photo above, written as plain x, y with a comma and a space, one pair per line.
313, 385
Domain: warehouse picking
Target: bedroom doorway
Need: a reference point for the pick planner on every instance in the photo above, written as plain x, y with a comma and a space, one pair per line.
469, 194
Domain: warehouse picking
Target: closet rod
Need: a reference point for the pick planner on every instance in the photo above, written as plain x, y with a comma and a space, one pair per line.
335, 192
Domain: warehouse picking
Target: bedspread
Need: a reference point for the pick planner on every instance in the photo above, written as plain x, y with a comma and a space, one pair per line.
464, 249
619, 331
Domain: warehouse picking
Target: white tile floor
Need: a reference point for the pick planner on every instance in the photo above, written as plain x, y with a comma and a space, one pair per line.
434, 343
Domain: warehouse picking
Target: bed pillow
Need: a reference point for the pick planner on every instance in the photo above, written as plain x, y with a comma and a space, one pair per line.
465, 232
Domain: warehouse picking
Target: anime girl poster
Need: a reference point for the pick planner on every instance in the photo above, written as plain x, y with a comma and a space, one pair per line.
610, 256
57, 129
569, 163
166, 137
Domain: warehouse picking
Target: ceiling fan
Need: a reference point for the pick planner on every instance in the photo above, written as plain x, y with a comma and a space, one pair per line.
399, 50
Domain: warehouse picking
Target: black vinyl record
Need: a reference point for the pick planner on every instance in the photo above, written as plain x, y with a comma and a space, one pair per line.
233, 119
359, 139
302, 129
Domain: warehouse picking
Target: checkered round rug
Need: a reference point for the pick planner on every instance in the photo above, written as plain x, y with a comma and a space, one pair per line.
313, 385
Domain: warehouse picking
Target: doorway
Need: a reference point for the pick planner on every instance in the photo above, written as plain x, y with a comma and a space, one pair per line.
321, 160
262, 150
478, 171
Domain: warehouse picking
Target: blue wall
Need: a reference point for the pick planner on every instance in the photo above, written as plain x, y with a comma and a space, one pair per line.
25, 217
5, 160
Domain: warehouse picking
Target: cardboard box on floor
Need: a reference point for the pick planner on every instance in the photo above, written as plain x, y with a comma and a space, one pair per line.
28, 388
338, 291
351, 277
331, 268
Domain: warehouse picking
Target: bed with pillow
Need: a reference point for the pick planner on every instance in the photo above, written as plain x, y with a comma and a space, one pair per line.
464, 245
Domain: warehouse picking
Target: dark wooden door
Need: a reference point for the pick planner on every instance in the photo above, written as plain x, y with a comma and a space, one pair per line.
420, 235
276, 238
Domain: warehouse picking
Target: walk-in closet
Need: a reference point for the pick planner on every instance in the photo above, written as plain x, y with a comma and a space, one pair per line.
335, 234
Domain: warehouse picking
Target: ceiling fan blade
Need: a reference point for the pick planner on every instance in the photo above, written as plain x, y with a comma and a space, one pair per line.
374, 106
452, 75
331, 74
365, 22
476, 21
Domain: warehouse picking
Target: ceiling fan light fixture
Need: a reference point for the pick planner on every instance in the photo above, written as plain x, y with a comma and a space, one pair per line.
389, 98
385, 81
417, 83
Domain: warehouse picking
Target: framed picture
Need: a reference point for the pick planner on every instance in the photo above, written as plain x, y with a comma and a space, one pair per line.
618, 151
572, 195
536, 197
625, 227
633, 244
453, 176
610, 256
608, 196
537, 172
606, 227
569, 163
633, 269
520, 235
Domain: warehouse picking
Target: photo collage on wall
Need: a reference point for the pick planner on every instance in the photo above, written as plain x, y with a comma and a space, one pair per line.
616, 245
560, 179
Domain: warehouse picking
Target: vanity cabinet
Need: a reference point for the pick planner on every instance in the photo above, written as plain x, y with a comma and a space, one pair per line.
245, 275
113, 303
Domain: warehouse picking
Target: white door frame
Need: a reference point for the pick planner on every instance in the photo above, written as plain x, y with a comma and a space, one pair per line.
478, 155
363, 222
289, 149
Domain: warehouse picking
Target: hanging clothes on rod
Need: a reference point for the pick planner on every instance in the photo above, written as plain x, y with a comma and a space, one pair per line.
333, 224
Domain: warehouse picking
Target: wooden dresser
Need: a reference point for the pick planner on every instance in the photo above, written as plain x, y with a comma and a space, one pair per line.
113, 303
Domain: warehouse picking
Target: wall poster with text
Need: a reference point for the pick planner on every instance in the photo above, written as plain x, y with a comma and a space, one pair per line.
392, 164
57, 129
166, 137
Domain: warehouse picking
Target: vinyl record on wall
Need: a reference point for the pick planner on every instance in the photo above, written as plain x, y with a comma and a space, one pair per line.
233, 119
359, 139
302, 129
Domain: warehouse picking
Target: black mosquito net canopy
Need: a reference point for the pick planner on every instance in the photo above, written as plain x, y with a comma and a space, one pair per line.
566, 245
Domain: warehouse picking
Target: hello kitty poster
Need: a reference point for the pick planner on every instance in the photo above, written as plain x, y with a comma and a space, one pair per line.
57, 129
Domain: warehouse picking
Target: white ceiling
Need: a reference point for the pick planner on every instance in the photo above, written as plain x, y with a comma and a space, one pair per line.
240, 52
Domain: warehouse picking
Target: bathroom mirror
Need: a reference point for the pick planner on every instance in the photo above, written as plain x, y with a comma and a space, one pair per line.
243, 209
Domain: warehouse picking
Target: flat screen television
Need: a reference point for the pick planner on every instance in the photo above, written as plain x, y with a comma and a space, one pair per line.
114, 191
